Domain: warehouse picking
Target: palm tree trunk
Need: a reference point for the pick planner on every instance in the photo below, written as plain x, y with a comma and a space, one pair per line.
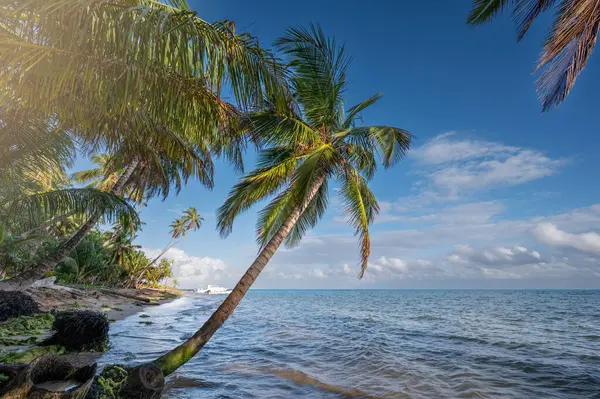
164, 251
45, 225
175, 358
26, 278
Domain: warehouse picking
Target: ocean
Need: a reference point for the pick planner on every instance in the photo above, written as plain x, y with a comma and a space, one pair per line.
378, 344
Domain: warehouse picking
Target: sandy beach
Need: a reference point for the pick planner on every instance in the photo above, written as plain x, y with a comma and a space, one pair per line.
117, 304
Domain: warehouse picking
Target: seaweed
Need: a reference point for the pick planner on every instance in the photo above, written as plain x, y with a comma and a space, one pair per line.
30, 354
24, 325
108, 384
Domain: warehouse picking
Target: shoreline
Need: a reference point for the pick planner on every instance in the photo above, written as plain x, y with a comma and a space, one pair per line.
116, 304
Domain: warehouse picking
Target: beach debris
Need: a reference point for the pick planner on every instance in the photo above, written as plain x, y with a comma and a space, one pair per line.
145, 381
15, 304
42, 378
109, 383
80, 330
45, 282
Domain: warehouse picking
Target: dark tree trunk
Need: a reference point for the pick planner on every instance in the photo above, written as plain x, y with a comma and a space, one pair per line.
174, 359
143, 382
45, 369
26, 278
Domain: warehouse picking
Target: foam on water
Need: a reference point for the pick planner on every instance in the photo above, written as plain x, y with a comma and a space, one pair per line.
379, 344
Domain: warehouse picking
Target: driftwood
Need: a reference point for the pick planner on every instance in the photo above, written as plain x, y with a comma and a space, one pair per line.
125, 295
144, 382
45, 369
11, 370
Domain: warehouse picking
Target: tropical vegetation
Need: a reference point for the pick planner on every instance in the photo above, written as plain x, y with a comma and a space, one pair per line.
568, 47
140, 80
305, 148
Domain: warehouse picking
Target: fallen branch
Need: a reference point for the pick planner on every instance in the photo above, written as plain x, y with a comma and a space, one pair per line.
125, 295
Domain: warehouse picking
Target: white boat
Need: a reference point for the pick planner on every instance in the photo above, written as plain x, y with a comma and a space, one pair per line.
213, 290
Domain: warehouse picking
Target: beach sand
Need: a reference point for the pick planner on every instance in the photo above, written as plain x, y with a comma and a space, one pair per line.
117, 304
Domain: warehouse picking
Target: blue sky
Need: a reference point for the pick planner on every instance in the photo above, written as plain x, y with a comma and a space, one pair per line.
494, 194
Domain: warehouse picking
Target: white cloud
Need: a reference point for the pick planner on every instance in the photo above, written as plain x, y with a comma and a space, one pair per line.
443, 149
191, 271
549, 234
475, 212
497, 257
318, 273
455, 167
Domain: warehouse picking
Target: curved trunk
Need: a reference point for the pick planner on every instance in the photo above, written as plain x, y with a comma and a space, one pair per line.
136, 282
174, 359
26, 278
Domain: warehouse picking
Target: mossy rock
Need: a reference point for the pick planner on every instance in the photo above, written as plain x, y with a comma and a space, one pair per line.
145, 381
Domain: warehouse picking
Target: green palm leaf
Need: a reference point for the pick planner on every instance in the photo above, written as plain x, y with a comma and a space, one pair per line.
361, 207
28, 212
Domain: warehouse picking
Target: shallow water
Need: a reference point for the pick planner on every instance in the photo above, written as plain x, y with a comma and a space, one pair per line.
379, 344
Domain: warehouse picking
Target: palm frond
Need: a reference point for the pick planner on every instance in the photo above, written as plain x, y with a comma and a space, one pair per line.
391, 143
361, 207
353, 112
483, 11
92, 64
25, 213
320, 66
272, 217
31, 147
526, 11
270, 128
277, 167
567, 49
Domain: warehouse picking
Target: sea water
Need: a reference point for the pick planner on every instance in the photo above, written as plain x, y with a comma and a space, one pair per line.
378, 344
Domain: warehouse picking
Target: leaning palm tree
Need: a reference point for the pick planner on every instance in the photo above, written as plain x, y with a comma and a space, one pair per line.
191, 220
568, 46
128, 76
30, 155
305, 149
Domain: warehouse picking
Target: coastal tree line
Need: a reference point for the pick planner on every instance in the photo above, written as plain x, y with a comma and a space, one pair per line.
137, 86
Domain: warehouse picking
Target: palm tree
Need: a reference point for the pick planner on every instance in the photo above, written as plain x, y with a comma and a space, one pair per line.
190, 220
31, 158
569, 45
149, 77
304, 151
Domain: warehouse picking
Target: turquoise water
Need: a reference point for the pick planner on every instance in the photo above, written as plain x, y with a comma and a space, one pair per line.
379, 344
